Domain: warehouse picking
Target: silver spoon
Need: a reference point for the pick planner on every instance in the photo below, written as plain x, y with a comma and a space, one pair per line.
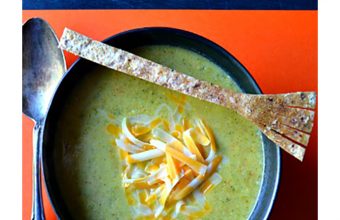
43, 65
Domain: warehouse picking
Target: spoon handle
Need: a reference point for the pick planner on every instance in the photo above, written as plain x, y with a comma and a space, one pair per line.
37, 205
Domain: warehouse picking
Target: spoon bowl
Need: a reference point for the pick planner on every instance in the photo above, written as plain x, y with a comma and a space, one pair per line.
43, 67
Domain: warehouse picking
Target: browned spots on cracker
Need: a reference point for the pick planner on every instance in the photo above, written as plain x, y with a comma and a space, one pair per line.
292, 148
293, 134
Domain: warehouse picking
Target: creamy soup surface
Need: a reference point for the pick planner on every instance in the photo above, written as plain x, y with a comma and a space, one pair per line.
88, 166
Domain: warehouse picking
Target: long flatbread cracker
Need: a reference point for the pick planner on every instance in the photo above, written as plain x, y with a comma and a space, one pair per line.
273, 114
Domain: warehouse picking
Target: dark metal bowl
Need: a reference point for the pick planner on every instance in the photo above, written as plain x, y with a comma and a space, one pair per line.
156, 36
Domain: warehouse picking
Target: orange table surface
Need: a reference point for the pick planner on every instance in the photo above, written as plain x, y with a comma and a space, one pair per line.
279, 48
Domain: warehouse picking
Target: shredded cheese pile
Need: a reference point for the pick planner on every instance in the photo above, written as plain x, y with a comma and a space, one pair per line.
169, 164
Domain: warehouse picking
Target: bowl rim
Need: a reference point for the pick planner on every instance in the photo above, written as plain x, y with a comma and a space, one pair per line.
195, 37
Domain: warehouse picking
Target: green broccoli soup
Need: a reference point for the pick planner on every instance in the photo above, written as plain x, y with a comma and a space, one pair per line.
129, 149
